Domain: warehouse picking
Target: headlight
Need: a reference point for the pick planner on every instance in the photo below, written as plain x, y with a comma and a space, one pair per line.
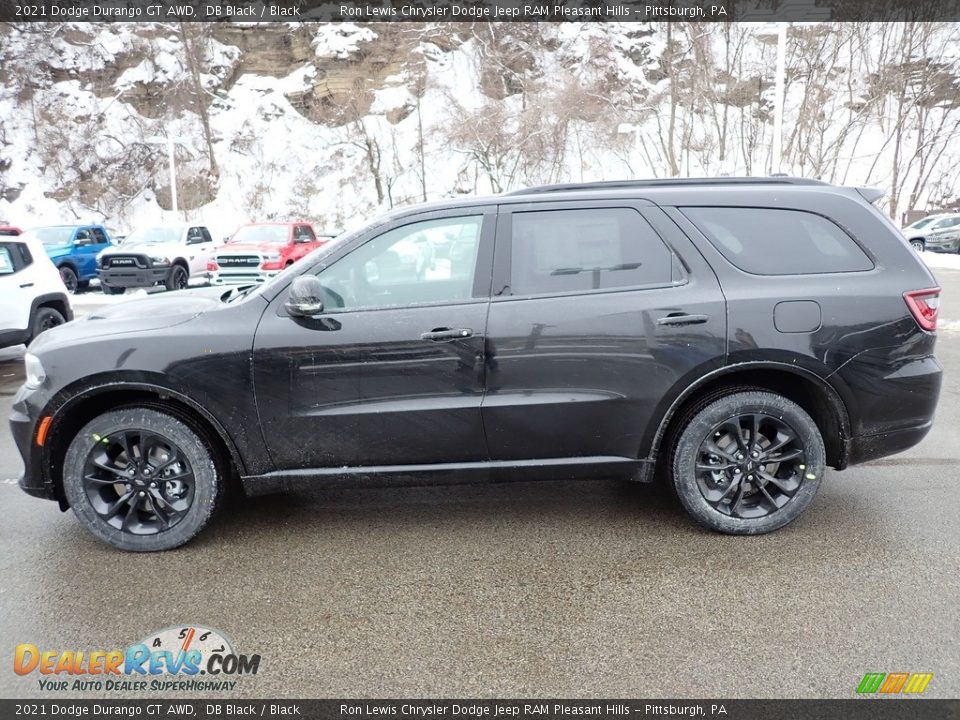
159, 260
272, 256
34, 370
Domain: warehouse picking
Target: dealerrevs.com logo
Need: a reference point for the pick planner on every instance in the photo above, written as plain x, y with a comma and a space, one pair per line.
182, 658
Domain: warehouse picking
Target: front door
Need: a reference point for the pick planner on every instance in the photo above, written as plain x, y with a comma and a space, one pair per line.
594, 320
392, 372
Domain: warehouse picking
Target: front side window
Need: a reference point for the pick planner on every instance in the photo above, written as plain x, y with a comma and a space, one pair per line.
405, 266
768, 241
582, 250
303, 233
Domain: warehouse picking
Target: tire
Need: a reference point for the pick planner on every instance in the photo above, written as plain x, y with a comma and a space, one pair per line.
111, 290
720, 499
44, 319
178, 278
83, 284
158, 516
918, 244
69, 277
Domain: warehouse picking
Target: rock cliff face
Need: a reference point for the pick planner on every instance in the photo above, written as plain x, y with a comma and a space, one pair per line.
333, 121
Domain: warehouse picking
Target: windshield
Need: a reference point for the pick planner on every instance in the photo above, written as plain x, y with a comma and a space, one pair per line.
262, 234
155, 236
52, 236
921, 223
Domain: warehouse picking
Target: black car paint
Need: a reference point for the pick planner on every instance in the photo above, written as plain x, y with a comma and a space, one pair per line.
347, 397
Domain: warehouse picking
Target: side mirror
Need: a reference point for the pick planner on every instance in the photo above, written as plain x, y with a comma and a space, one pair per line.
306, 297
82, 242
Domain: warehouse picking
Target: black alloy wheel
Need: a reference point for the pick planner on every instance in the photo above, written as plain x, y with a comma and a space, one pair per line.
750, 466
69, 278
138, 482
178, 279
142, 478
748, 462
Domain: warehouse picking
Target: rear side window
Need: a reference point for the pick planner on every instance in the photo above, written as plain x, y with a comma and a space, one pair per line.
590, 249
769, 241
6, 261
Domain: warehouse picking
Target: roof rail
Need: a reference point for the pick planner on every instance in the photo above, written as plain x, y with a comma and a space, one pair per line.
665, 182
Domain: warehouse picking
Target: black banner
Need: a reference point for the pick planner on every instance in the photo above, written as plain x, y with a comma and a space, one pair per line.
854, 709
477, 10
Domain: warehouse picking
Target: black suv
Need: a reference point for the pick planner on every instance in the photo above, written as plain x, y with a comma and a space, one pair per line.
739, 334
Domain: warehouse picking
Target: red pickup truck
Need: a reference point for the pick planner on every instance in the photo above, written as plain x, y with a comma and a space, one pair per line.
258, 251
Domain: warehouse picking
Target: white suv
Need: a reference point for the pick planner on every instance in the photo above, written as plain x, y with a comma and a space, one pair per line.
33, 297
168, 255
918, 232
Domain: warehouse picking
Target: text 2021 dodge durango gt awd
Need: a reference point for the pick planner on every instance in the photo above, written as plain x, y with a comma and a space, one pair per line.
739, 334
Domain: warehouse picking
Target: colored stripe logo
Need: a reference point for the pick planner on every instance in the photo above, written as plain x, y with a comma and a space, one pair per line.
894, 683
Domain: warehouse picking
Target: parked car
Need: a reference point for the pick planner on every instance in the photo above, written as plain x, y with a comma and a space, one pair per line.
74, 249
943, 241
258, 251
167, 255
9, 230
919, 233
738, 335
34, 297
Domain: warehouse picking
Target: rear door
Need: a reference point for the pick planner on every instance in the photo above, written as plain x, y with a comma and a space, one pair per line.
18, 286
200, 243
601, 310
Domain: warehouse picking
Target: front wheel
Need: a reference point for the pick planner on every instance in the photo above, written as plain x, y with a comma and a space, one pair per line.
112, 290
917, 245
69, 278
178, 278
141, 479
748, 463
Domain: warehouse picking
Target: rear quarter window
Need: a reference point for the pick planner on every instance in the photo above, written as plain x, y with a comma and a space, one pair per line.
771, 241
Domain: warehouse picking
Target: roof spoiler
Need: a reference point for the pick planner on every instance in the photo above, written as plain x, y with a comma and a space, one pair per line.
871, 194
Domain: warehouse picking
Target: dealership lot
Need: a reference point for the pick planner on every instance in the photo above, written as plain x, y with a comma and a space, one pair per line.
535, 589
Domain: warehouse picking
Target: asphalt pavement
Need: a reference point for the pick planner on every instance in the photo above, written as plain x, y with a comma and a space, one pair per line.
542, 589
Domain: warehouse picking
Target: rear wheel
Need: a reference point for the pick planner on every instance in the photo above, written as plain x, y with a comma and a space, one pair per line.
44, 319
141, 479
178, 278
748, 463
69, 278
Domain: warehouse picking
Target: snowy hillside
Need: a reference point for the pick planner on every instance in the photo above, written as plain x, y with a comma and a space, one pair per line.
334, 122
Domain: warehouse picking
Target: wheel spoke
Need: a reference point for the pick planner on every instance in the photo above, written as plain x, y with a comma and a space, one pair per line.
107, 468
116, 506
128, 449
712, 448
131, 511
783, 457
734, 507
719, 466
754, 432
769, 498
790, 437
776, 483
734, 429
155, 502
104, 481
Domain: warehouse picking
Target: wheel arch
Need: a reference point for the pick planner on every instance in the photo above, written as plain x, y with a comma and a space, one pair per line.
804, 387
96, 399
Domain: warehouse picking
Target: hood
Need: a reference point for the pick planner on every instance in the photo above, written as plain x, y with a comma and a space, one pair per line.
58, 250
142, 248
150, 313
265, 247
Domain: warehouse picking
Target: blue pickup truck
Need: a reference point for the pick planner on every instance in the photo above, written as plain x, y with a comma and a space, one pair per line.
74, 249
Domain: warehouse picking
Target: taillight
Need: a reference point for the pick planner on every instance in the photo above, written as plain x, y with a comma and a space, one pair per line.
924, 304
212, 266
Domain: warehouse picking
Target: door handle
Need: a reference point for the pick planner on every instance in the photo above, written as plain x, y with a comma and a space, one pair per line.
26, 285
676, 319
441, 334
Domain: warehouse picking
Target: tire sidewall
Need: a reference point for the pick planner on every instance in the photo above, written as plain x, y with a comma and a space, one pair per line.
206, 478
37, 327
703, 422
66, 273
176, 274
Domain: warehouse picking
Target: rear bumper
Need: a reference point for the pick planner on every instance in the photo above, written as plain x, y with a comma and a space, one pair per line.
871, 447
132, 277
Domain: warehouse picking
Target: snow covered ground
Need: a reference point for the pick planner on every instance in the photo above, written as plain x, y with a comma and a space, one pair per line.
941, 261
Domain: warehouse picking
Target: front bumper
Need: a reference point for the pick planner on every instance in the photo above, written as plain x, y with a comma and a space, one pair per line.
132, 277
23, 425
247, 277
942, 245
